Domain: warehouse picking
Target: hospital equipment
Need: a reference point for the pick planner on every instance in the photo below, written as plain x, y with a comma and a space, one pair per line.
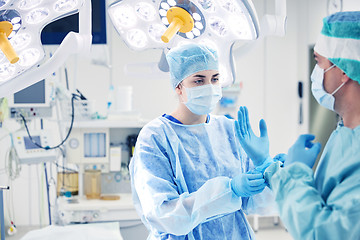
89, 146
28, 152
98, 211
2, 223
67, 183
35, 101
78, 209
131, 141
28, 18
115, 158
301, 94
151, 24
92, 184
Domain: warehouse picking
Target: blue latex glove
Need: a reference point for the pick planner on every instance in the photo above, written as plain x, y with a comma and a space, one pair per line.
257, 148
303, 151
280, 157
246, 185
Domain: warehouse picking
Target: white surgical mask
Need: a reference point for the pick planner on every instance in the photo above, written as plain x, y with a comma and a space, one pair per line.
203, 99
324, 98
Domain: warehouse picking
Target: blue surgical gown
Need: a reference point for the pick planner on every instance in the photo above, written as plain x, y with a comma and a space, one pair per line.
180, 176
325, 205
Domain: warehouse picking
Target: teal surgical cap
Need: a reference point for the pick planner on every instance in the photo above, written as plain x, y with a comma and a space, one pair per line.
339, 42
188, 59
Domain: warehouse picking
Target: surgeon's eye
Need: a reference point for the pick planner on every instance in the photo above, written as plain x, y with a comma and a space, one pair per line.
215, 80
199, 81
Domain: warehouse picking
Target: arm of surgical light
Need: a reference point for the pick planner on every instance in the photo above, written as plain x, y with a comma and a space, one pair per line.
73, 43
275, 25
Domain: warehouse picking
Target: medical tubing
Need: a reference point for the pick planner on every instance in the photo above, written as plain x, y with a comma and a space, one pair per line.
12, 162
74, 96
47, 189
10, 203
66, 168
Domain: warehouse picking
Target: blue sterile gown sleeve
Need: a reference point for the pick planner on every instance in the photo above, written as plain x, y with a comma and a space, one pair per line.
180, 176
325, 205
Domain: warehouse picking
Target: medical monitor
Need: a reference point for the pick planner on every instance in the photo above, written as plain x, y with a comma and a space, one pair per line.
34, 101
29, 144
55, 32
36, 95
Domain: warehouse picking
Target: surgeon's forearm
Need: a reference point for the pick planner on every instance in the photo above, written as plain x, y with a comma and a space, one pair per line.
301, 207
180, 216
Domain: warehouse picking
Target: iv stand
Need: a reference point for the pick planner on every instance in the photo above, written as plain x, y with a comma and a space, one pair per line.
2, 211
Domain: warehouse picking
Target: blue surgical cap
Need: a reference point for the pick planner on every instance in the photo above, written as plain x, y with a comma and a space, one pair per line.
188, 59
339, 42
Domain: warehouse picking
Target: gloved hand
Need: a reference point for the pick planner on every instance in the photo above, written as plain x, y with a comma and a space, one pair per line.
246, 185
257, 148
303, 151
280, 157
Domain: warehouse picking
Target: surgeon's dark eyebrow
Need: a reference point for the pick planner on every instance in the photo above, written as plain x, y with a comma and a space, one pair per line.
199, 76
215, 75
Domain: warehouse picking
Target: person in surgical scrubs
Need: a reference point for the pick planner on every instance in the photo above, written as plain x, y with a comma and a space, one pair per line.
325, 204
190, 177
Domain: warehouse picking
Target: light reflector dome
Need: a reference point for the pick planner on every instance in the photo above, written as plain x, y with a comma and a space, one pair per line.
28, 18
223, 22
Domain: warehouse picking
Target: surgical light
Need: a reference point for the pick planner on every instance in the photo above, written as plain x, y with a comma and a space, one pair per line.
145, 11
220, 22
27, 4
156, 31
26, 19
137, 38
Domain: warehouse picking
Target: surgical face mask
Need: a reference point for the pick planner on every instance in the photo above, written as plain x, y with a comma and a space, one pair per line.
324, 98
203, 99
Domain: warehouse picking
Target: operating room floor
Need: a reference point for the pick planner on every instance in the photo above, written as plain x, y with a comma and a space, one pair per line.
267, 230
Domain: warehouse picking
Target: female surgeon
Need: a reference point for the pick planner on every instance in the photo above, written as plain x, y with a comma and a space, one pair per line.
190, 177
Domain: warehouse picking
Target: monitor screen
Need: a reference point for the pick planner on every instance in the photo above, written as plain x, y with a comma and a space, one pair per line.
34, 94
55, 32
29, 144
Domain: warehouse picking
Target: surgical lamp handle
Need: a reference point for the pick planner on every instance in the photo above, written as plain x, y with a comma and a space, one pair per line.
174, 28
180, 21
5, 30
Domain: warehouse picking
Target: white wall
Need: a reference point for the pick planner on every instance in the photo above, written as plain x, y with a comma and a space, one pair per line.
269, 73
